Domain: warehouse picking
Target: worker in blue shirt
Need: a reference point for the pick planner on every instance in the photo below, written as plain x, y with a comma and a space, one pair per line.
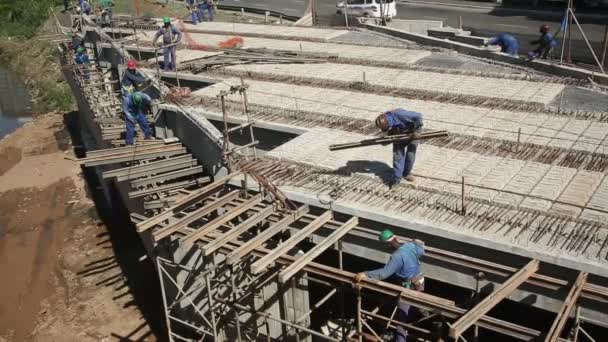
401, 121
403, 264
206, 5
133, 107
171, 35
192, 6
82, 59
132, 80
508, 43
85, 7
546, 43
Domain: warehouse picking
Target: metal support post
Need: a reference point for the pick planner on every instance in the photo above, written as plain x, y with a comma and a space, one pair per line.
359, 324
345, 13
462, 204
293, 306
587, 41
605, 46
164, 298
234, 300
226, 146
210, 299
341, 265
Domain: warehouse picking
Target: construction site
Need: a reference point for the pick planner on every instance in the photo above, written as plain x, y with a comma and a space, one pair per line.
257, 226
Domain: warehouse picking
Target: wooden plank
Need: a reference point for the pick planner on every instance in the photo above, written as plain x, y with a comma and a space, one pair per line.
246, 248
129, 170
261, 264
185, 202
567, 307
196, 215
223, 219
314, 252
232, 234
137, 156
169, 187
473, 315
150, 172
164, 177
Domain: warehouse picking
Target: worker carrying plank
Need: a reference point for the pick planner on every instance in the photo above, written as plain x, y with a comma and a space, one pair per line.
401, 121
403, 264
171, 37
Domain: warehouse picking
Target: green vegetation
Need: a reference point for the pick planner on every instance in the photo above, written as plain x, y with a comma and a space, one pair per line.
23, 17
35, 60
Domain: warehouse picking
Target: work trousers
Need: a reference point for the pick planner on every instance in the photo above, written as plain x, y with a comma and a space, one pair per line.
66, 5
404, 156
202, 8
169, 58
194, 16
143, 124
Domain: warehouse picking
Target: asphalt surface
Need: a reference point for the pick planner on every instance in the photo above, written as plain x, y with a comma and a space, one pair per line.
485, 22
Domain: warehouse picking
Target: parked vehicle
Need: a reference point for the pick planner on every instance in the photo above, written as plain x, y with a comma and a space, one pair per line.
368, 8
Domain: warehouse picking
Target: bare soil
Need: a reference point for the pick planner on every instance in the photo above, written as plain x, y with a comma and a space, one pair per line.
64, 276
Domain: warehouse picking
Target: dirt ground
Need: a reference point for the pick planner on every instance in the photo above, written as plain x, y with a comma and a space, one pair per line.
64, 272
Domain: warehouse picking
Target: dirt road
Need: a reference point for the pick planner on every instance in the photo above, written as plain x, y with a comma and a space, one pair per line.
65, 275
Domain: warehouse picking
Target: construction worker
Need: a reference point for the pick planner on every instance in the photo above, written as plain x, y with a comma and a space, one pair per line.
133, 107
508, 44
404, 264
171, 35
401, 121
132, 80
106, 12
66, 5
192, 6
209, 6
84, 7
546, 43
81, 56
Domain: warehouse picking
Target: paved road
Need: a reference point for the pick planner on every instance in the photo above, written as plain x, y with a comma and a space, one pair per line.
480, 21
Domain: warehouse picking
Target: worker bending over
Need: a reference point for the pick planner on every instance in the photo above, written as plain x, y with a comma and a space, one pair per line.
546, 43
401, 121
508, 44
192, 6
134, 107
206, 5
404, 264
132, 80
106, 12
171, 35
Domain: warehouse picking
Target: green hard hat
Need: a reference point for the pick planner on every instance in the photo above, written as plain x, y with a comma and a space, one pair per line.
137, 98
386, 235
166, 20
80, 49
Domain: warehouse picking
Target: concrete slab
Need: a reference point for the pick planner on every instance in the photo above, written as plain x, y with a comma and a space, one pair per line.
526, 91
459, 119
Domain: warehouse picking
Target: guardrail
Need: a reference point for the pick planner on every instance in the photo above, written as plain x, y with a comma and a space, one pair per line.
258, 11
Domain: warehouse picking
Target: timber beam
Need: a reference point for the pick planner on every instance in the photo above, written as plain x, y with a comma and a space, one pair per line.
261, 264
314, 252
504, 291
185, 203
195, 215
564, 312
246, 248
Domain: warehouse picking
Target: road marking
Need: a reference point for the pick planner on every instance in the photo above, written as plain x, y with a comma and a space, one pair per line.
507, 25
290, 9
438, 18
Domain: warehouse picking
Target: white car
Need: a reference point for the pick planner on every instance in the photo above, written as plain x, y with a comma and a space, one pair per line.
367, 8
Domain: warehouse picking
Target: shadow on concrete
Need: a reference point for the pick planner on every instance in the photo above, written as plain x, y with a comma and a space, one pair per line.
378, 169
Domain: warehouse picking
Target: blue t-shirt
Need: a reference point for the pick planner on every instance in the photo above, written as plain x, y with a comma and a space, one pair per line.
404, 263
